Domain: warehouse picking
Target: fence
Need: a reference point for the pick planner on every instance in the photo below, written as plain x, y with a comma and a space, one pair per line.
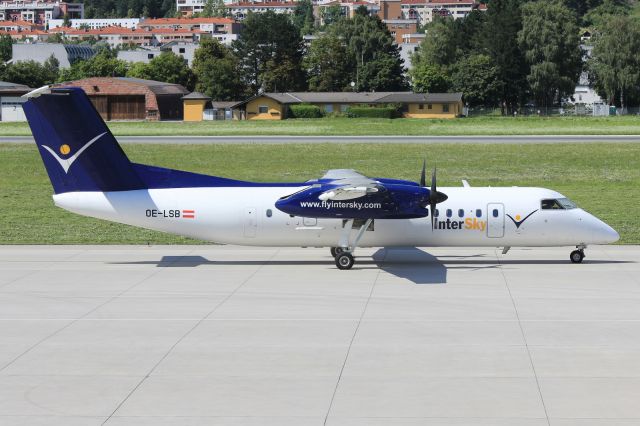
578, 110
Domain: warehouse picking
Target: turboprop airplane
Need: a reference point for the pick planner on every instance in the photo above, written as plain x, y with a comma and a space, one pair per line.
92, 176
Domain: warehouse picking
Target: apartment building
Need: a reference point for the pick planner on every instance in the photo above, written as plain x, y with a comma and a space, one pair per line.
39, 12
425, 10
240, 10
224, 30
94, 24
348, 8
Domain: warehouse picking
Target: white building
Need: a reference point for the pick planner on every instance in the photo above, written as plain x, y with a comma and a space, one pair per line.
584, 93
425, 10
186, 50
39, 12
94, 24
240, 10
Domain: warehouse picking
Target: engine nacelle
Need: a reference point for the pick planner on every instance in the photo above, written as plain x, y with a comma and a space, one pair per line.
391, 201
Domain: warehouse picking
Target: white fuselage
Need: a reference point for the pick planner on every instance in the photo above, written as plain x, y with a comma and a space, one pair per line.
247, 216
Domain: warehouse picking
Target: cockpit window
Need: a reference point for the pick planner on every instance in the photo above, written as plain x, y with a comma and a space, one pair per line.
567, 203
558, 204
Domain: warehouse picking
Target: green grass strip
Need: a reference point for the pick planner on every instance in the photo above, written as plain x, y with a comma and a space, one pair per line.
487, 126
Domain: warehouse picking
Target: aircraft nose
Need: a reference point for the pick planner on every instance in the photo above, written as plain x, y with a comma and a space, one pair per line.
604, 234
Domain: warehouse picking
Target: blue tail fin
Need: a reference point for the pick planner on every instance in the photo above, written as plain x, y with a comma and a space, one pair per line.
76, 146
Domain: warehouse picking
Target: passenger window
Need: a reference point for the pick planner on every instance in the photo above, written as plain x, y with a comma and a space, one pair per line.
495, 212
449, 213
269, 213
478, 213
551, 205
460, 213
437, 213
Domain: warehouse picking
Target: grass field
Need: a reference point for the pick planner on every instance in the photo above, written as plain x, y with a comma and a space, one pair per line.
602, 178
624, 125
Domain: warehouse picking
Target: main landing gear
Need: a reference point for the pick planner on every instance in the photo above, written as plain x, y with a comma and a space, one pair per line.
576, 256
343, 253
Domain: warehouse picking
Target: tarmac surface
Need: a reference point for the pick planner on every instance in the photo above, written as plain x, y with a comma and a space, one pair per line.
202, 140
223, 335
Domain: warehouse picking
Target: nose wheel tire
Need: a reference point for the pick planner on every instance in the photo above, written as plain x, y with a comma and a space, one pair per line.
335, 251
576, 256
344, 261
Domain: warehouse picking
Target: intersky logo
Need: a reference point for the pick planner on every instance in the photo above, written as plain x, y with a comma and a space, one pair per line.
66, 163
517, 221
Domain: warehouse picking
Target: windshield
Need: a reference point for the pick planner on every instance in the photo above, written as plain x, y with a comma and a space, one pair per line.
567, 203
557, 204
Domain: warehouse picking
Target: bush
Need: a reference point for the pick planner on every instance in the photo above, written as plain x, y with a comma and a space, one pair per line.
372, 112
305, 111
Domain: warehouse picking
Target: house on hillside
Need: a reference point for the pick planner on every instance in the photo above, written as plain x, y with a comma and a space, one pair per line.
274, 106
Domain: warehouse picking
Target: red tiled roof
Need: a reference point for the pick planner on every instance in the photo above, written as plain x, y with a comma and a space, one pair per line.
124, 31
23, 33
17, 23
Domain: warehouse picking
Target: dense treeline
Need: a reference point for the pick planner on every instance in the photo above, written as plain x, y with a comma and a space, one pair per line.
530, 51
517, 52
129, 8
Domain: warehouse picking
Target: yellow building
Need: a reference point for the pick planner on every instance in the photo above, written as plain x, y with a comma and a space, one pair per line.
275, 106
194, 105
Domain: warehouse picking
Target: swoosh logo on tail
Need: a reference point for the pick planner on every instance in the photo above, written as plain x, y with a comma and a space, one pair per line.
66, 163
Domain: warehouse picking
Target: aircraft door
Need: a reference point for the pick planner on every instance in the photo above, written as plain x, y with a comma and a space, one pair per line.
495, 220
250, 222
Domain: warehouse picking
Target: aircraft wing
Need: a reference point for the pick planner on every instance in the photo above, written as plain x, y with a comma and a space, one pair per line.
350, 185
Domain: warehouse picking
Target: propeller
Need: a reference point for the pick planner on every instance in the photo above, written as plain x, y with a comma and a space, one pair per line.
435, 197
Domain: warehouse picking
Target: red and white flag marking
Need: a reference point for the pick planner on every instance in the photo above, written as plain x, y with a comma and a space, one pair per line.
189, 214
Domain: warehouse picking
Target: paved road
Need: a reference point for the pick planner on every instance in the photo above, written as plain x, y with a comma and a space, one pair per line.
204, 335
358, 139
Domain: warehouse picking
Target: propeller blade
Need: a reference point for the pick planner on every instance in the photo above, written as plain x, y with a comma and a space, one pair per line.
432, 211
423, 178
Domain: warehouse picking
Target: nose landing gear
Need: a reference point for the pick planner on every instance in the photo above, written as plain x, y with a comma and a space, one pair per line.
576, 256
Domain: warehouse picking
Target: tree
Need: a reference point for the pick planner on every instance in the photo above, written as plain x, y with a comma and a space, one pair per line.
327, 64
269, 43
303, 17
440, 45
427, 78
551, 45
167, 67
56, 38
477, 77
581, 7
6, 47
104, 64
32, 73
331, 14
502, 24
597, 17
615, 63
373, 56
219, 9
216, 71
